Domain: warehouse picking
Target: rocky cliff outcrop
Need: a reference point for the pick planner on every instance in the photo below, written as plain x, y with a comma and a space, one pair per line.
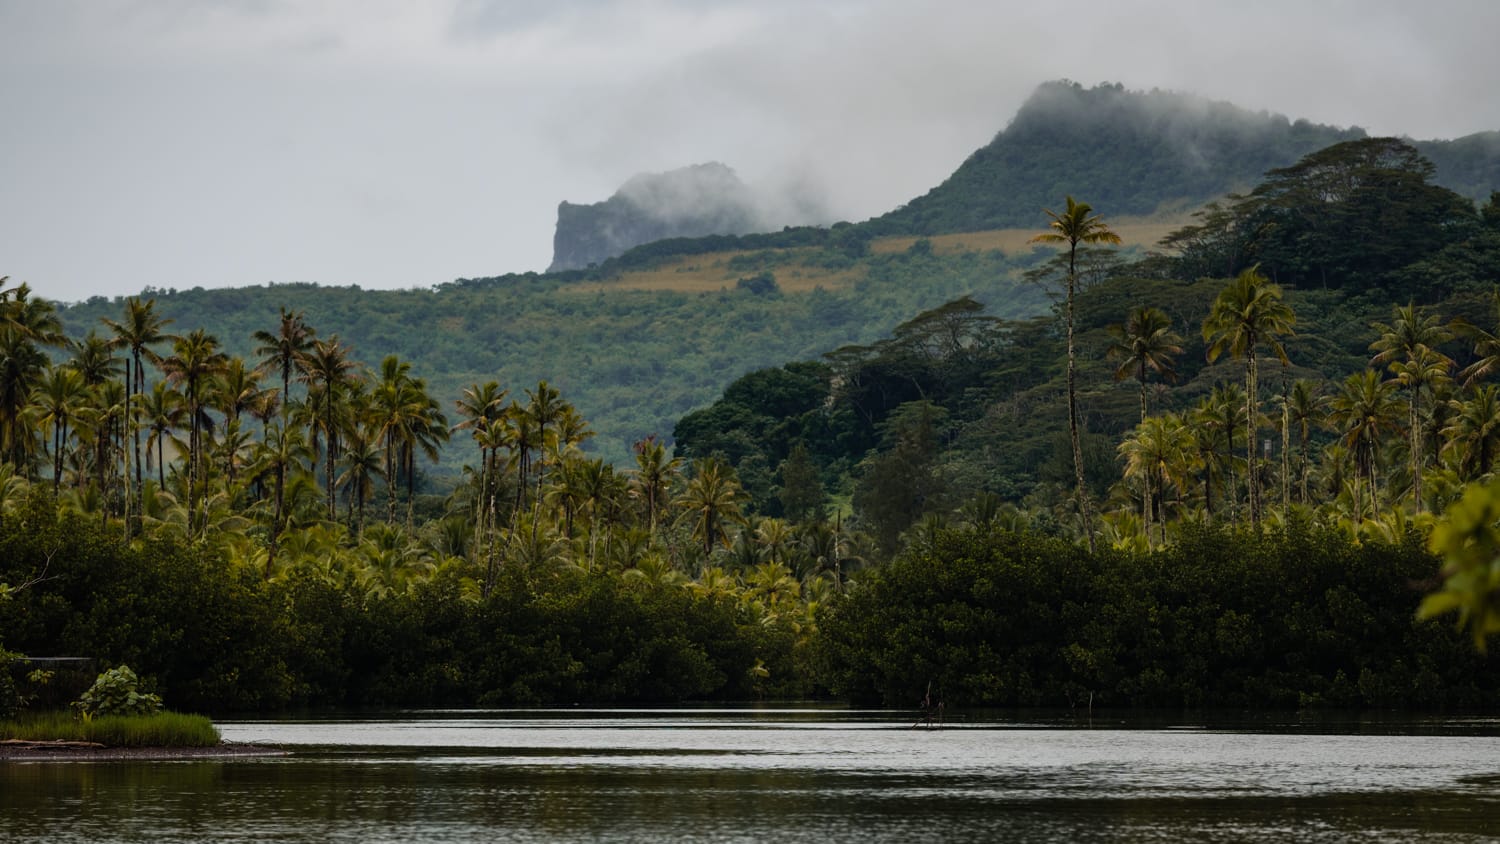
694, 201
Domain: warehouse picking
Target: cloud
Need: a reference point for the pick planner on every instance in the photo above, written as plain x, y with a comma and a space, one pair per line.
389, 142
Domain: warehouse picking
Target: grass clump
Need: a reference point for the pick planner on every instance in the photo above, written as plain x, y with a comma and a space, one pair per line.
160, 729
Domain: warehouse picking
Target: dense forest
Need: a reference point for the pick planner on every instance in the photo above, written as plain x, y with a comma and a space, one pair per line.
1182, 487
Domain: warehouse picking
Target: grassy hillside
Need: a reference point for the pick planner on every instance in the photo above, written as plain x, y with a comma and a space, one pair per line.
633, 349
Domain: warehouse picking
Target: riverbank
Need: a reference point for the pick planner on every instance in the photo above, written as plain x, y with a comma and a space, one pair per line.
84, 751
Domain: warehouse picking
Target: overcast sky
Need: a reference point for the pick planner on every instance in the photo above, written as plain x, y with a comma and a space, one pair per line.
396, 143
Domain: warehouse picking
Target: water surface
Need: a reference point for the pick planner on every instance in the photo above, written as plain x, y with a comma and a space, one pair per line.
787, 775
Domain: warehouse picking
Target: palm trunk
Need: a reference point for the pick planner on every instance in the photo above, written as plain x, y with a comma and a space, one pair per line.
136, 425
332, 446
1252, 406
1416, 453
1286, 448
1073, 436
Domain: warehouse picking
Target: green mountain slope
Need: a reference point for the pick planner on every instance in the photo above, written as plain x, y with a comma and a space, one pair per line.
1141, 153
631, 354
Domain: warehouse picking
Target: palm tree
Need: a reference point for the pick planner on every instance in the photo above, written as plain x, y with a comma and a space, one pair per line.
236, 390
1408, 347
545, 408
1306, 408
25, 325
713, 497
408, 420
194, 360
480, 410
1213, 421
1246, 314
362, 460
1364, 411
1145, 343
162, 411
284, 449
93, 358
651, 480
1486, 345
1474, 433
1159, 453
139, 330
61, 398
283, 351
329, 368
1078, 224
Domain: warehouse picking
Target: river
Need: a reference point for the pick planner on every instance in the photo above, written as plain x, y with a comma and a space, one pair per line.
788, 775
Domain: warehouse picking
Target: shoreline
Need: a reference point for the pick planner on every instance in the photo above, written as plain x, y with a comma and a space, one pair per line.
44, 751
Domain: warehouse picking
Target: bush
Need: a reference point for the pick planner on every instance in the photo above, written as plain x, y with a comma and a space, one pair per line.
116, 692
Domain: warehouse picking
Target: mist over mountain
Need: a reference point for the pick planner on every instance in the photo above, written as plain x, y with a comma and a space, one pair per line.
1125, 152
1134, 153
695, 201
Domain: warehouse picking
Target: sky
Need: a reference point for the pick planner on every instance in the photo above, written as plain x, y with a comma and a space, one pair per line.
406, 143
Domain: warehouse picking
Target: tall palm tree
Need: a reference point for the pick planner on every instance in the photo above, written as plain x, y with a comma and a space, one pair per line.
1306, 409
139, 330
162, 411
651, 480
1145, 343
1214, 421
1248, 313
329, 368
1408, 348
26, 325
282, 351
1159, 454
480, 410
712, 497
1077, 224
408, 421
545, 407
195, 359
61, 397
1364, 411
283, 450
93, 358
362, 461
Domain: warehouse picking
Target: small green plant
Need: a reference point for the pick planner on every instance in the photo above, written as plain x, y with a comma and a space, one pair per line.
116, 692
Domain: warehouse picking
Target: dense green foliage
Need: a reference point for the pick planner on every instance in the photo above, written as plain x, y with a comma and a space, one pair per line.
1300, 617
215, 636
958, 404
1360, 214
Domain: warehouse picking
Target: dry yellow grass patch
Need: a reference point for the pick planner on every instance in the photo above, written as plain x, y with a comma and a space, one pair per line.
711, 272
1133, 233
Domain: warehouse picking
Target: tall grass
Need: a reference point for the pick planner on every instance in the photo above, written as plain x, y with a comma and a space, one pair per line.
163, 729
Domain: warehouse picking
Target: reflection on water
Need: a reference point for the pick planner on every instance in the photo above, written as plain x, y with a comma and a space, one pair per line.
811, 775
